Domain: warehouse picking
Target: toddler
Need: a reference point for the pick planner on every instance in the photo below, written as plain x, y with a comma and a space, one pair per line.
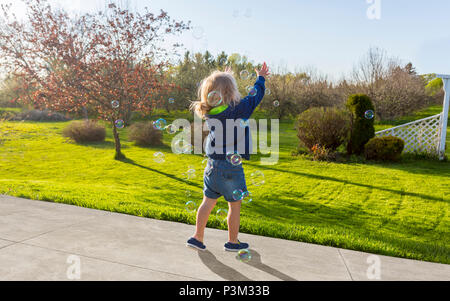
222, 177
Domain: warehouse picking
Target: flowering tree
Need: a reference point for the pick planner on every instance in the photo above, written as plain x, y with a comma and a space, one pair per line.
110, 62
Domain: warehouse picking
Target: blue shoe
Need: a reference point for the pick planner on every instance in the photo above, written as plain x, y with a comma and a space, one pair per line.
193, 243
230, 247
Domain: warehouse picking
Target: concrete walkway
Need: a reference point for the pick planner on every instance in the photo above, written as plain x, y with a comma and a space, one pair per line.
39, 240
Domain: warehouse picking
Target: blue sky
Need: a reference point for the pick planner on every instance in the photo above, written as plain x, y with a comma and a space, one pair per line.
329, 35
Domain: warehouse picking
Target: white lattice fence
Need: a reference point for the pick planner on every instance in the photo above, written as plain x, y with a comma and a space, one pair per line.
420, 136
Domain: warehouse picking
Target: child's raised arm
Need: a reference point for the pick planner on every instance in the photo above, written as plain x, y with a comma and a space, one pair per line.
248, 105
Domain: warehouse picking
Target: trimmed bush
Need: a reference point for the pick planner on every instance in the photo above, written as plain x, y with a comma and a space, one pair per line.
326, 127
145, 134
362, 129
85, 131
384, 148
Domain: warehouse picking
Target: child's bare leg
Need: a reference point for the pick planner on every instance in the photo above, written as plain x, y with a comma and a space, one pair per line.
202, 217
234, 221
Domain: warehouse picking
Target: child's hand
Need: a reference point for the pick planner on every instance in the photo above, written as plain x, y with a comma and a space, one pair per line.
264, 72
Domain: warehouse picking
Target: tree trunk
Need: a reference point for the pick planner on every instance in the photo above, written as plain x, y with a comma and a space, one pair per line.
118, 155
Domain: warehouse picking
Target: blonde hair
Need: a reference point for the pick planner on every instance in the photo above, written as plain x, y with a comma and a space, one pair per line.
222, 82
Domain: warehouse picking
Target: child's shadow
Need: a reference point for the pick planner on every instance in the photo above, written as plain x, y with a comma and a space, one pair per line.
231, 274
257, 263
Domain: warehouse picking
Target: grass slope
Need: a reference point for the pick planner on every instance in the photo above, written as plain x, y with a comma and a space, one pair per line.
397, 209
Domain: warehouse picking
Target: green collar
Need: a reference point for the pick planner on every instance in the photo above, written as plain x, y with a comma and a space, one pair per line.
218, 110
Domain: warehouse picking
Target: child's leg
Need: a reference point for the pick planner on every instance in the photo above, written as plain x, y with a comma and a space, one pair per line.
234, 221
202, 217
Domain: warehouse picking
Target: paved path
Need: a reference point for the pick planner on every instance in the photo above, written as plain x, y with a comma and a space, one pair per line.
38, 238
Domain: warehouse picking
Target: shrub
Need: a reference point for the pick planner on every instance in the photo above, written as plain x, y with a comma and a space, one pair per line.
85, 131
327, 127
384, 148
362, 129
145, 134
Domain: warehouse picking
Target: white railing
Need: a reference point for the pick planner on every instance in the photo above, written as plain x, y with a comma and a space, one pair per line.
420, 136
426, 135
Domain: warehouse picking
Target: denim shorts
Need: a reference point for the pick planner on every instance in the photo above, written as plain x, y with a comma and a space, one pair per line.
221, 178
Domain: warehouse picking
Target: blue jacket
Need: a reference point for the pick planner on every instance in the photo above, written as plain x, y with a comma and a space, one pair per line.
218, 143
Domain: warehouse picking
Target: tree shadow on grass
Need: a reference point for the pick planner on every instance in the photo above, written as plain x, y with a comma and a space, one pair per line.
129, 161
327, 178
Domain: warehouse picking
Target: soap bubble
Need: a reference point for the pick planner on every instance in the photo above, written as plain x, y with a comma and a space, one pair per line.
115, 104
369, 114
214, 98
120, 124
268, 92
180, 146
187, 149
160, 124
276, 103
198, 32
252, 91
223, 61
190, 174
191, 207
159, 157
205, 162
171, 100
257, 178
244, 256
244, 123
222, 214
244, 74
237, 195
247, 197
236, 159
171, 129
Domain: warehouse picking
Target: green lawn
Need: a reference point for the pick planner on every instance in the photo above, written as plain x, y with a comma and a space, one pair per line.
398, 209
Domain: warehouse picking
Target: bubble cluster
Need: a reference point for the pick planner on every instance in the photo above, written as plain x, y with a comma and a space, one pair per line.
252, 91
244, 74
159, 157
244, 256
214, 98
160, 124
191, 207
222, 214
369, 114
171, 129
247, 197
257, 178
120, 124
276, 103
171, 100
115, 104
237, 195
